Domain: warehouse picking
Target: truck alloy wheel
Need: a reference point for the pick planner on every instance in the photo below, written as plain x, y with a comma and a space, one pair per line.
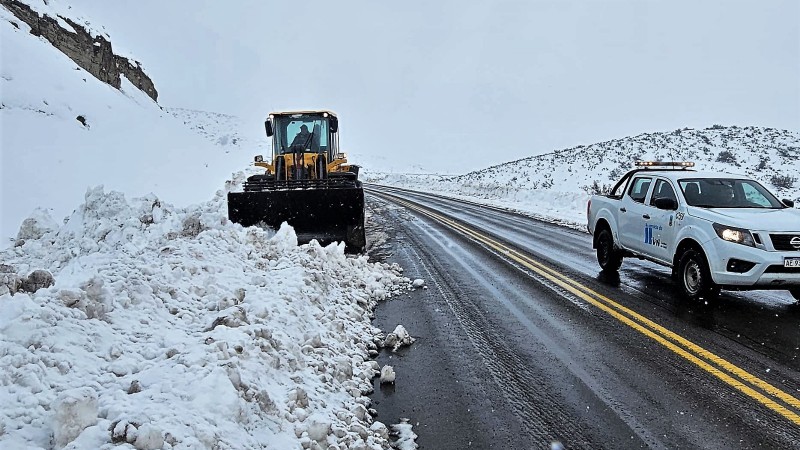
695, 277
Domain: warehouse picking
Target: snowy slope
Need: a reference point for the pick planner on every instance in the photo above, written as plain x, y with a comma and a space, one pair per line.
128, 143
556, 185
243, 139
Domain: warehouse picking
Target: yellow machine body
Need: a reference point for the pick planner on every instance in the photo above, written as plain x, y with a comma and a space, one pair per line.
307, 183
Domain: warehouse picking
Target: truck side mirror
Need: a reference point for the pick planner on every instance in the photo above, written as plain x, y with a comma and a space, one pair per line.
334, 124
268, 127
788, 203
668, 204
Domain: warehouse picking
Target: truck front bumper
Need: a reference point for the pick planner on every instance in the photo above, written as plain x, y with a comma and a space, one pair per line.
768, 271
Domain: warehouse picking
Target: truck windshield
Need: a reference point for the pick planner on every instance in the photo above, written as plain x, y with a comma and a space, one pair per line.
727, 193
301, 133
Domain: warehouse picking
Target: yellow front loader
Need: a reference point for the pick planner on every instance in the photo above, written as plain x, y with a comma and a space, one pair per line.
308, 183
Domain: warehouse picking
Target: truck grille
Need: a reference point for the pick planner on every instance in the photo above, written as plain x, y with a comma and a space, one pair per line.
783, 242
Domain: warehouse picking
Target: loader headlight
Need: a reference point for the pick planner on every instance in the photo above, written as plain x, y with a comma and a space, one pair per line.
733, 234
259, 158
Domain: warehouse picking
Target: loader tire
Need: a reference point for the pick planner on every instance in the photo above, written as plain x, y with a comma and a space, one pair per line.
356, 240
322, 168
253, 178
256, 183
280, 169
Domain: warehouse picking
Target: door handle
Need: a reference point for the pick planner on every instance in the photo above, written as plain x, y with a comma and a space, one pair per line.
646, 216
623, 209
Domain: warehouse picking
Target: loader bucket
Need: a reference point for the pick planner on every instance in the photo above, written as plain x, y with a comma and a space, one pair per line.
326, 212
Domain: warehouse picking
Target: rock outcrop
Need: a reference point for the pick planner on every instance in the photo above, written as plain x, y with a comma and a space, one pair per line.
92, 53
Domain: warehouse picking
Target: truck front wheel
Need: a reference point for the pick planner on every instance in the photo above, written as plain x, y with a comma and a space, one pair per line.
608, 257
694, 276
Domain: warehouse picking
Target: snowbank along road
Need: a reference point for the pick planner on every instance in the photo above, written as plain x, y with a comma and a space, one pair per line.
521, 342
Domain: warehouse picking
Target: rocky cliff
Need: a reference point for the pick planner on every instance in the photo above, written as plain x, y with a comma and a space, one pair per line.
92, 53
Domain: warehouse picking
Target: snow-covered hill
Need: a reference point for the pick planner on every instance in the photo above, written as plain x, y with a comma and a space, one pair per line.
64, 130
557, 185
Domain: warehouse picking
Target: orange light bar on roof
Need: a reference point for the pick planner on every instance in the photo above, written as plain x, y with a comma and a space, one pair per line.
664, 164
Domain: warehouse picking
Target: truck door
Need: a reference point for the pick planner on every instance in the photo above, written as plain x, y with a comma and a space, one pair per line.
660, 227
631, 214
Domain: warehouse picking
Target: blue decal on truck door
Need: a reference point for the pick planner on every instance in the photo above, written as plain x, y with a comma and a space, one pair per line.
648, 235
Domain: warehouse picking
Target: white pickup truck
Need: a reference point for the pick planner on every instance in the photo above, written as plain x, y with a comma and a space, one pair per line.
715, 230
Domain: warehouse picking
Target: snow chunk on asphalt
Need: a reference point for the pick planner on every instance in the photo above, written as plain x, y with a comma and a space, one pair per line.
387, 374
406, 438
398, 338
217, 336
419, 282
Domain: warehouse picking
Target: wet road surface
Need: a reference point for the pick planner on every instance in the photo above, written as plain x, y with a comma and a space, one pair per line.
507, 357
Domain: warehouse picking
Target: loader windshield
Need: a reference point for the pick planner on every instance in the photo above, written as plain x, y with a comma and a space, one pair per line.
301, 133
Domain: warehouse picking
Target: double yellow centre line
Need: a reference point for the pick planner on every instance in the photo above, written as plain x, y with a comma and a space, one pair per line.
761, 391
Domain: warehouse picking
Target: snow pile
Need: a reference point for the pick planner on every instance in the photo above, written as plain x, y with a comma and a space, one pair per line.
174, 328
556, 186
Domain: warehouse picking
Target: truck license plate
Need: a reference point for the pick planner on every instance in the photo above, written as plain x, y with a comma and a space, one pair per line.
791, 262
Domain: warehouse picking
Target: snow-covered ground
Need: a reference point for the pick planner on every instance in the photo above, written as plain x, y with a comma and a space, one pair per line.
556, 186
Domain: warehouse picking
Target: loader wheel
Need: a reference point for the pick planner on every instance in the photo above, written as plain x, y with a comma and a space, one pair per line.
694, 276
609, 258
256, 183
280, 169
344, 175
356, 240
322, 168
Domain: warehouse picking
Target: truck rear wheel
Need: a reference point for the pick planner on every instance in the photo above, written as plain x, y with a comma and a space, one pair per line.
609, 258
694, 277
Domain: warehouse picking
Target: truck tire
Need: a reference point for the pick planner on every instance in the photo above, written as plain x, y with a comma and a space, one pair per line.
609, 258
694, 277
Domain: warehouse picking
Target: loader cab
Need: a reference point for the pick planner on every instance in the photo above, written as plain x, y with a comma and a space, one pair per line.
304, 132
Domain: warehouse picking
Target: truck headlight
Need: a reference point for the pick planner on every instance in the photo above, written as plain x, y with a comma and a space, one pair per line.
733, 234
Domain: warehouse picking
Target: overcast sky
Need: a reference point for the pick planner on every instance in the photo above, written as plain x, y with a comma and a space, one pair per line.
459, 85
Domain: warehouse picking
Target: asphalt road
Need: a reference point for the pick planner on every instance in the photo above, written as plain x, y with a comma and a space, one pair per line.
522, 342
